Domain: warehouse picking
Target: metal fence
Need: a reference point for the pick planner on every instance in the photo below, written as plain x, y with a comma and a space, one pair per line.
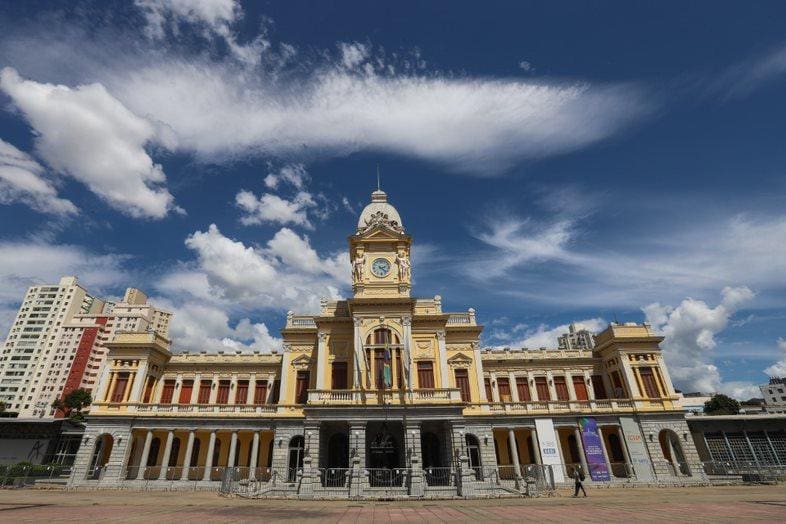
748, 471
440, 476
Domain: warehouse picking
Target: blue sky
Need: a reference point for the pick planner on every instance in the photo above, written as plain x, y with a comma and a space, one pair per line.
554, 162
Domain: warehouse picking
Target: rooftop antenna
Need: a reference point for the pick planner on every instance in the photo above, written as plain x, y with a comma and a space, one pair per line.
378, 186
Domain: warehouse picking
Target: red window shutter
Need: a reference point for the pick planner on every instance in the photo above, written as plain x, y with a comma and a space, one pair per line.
301, 389
650, 388
580, 387
151, 382
168, 391
260, 393
425, 375
338, 375
487, 385
204, 392
523, 389
223, 392
276, 391
242, 392
185, 391
503, 386
120, 387
542, 388
462, 383
562, 388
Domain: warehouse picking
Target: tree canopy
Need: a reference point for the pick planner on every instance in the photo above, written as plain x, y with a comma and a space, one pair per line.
73, 403
721, 404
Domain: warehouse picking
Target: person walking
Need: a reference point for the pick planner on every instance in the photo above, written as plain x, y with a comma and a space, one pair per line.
578, 478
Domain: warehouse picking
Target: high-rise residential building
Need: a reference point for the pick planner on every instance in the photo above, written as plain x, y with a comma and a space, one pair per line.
575, 339
30, 346
70, 349
81, 345
774, 395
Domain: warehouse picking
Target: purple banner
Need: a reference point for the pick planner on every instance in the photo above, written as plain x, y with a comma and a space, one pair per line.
593, 449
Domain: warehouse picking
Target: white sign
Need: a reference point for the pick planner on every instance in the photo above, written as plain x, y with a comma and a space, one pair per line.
637, 449
549, 447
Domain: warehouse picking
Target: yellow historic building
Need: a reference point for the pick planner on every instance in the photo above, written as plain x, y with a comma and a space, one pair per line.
384, 394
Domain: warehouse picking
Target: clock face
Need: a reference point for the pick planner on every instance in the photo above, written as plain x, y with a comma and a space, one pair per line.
380, 267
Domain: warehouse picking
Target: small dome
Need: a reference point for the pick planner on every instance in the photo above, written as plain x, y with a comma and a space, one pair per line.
379, 211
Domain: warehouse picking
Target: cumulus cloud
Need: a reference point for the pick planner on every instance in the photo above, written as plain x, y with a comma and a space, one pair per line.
689, 332
86, 133
269, 208
287, 273
545, 337
22, 179
27, 263
778, 369
206, 327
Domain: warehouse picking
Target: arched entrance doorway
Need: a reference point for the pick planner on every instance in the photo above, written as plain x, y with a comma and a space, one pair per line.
672, 451
100, 458
335, 474
473, 453
383, 459
295, 464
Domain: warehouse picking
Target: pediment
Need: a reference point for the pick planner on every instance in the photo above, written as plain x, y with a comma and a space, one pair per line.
460, 360
381, 232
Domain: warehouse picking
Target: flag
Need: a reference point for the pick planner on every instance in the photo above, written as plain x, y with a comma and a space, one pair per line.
387, 370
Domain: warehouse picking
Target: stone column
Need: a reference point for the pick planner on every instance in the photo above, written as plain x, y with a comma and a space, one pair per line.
589, 385
514, 453
167, 452
321, 359
674, 463
145, 454
569, 384
514, 390
359, 358
550, 384
494, 388
211, 446
139, 382
412, 441
479, 372
195, 390
213, 389
187, 456
580, 446
533, 435
624, 446
127, 390
232, 450
443, 359
252, 388
232, 389
252, 465
104, 382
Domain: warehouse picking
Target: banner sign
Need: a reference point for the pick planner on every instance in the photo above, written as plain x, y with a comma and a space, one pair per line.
593, 449
637, 449
549, 447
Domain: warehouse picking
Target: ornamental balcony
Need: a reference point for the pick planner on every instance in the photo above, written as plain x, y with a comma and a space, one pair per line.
346, 397
186, 409
556, 407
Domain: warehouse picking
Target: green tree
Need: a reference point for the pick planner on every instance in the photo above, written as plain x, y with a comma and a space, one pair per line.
2, 406
721, 404
73, 404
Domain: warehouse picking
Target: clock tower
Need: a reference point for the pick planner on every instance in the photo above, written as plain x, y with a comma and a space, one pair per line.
379, 252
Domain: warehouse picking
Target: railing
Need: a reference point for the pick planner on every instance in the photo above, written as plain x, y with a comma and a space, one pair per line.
335, 477
383, 396
750, 471
188, 408
386, 478
301, 321
440, 476
461, 319
571, 406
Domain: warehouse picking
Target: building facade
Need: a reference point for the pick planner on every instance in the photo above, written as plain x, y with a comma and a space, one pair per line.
29, 351
384, 394
774, 395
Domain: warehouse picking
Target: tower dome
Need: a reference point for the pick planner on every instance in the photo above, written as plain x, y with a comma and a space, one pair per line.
379, 211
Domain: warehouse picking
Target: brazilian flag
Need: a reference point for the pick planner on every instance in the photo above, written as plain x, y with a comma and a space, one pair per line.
387, 370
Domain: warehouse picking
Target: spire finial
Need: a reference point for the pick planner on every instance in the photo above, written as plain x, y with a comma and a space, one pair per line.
378, 184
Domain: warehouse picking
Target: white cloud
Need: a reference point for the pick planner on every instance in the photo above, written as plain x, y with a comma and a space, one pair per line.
272, 208
215, 19
22, 180
26, 263
545, 337
88, 134
690, 330
778, 369
285, 274
204, 327
526, 66
292, 174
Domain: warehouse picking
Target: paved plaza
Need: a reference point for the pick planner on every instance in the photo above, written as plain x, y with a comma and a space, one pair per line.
697, 504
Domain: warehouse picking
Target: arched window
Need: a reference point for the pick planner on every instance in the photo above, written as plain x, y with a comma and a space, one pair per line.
101, 452
473, 452
295, 464
382, 336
